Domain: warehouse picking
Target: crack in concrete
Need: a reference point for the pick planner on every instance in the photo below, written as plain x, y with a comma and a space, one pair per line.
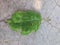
57, 3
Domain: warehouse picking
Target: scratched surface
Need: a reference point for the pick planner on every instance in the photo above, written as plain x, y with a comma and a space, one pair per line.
49, 31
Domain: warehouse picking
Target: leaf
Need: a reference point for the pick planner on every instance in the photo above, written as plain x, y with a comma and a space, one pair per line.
28, 21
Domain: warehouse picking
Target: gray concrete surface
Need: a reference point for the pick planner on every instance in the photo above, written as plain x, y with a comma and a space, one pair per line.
49, 31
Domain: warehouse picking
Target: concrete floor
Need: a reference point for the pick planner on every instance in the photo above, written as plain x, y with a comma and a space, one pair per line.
49, 31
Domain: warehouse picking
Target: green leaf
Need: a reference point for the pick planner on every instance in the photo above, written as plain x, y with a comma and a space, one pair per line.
28, 21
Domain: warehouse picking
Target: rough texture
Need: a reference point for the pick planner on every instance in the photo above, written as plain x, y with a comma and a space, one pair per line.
49, 32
